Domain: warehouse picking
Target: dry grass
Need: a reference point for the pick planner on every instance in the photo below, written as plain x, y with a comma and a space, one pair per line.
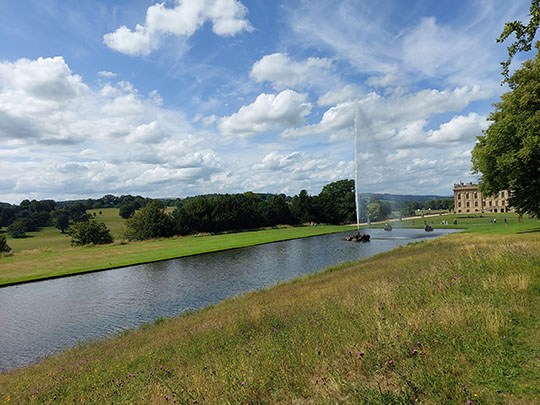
444, 321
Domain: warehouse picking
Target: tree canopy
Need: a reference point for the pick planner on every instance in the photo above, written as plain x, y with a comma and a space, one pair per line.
524, 33
89, 232
508, 154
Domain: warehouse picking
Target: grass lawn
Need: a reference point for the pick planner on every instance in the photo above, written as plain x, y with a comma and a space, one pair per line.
444, 321
51, 239
49, 262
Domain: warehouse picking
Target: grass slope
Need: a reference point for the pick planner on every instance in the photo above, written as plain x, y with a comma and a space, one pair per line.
450, 320
44, 263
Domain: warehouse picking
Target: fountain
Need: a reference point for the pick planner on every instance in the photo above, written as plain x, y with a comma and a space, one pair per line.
358, 237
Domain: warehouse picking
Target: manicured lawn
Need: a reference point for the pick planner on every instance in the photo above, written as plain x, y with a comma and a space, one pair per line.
43, 263
479, 223
445, 321
50, 238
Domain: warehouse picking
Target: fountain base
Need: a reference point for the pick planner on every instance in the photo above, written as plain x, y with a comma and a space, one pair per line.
359, 237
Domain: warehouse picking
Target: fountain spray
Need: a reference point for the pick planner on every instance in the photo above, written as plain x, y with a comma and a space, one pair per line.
356, 182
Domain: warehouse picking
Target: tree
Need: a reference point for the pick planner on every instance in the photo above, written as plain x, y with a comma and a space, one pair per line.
149, 222
508, 154
89, 232
126, 210
301, 207
62, 222
4, 247
524, 35
17, 228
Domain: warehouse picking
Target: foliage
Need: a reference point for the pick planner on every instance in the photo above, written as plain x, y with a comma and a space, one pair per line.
17, 229
4, 247
524, 35
149, 222
89, 232
508, 154
301, 207
126, 210
62, 222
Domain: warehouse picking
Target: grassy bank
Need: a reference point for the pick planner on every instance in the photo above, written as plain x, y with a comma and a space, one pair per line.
450, 320
50, 262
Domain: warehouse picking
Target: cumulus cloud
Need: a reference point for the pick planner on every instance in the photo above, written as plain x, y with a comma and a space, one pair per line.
146, 133
459, 128
227, 18
282, 72
267, 112
385, 115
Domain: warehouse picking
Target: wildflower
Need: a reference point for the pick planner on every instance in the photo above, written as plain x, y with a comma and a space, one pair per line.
242, 383
360, 354
414, 352
166, 397
419, 343
390, 362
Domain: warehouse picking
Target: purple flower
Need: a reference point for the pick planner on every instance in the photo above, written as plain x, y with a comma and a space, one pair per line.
414, 352
390, 362
360, 354
242, 383
419, 343
166, 397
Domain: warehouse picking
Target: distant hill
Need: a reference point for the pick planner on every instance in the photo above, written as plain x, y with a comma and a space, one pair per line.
5, 205
407, 197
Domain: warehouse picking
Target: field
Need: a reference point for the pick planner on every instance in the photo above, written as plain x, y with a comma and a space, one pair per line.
450, 320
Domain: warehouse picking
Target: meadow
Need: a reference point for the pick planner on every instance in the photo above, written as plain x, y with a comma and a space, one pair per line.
450, 320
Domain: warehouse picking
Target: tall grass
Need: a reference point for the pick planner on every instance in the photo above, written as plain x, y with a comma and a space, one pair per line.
446, 321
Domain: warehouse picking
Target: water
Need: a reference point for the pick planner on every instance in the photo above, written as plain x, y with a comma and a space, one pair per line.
42, 318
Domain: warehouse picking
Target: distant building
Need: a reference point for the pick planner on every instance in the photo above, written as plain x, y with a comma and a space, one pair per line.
469, 199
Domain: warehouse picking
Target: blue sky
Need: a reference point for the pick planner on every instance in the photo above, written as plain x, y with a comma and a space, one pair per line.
187, 97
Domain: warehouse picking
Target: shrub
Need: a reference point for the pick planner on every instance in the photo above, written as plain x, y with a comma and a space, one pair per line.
4, 247
91, 232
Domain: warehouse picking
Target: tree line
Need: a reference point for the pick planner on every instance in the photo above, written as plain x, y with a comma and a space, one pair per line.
147, 218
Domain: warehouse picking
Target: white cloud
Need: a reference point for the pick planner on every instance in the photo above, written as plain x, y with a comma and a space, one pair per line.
384, 115
387, 80
459, 128
146, 133
347, 93
266, 113
108, 75
282, 72
227, 18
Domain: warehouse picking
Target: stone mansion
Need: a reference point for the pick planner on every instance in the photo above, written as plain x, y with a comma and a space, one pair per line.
469, 199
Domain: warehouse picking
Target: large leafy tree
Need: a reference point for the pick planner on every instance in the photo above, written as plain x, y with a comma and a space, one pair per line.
89, 232
508, 154
524, 35
149, 222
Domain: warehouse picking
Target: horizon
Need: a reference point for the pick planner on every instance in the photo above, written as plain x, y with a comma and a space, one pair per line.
191, 97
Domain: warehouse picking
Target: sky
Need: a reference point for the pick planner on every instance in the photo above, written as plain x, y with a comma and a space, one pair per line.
187, 97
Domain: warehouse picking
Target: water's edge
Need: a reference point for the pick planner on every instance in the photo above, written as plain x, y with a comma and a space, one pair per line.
79, 272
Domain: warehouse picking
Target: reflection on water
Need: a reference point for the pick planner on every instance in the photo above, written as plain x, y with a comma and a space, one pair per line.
42, 318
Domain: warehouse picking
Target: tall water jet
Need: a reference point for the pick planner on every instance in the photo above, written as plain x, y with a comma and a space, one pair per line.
356, 182
358, 119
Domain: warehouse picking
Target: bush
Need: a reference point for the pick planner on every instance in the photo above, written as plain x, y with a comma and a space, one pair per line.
17, 229
4, 247
91, 232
